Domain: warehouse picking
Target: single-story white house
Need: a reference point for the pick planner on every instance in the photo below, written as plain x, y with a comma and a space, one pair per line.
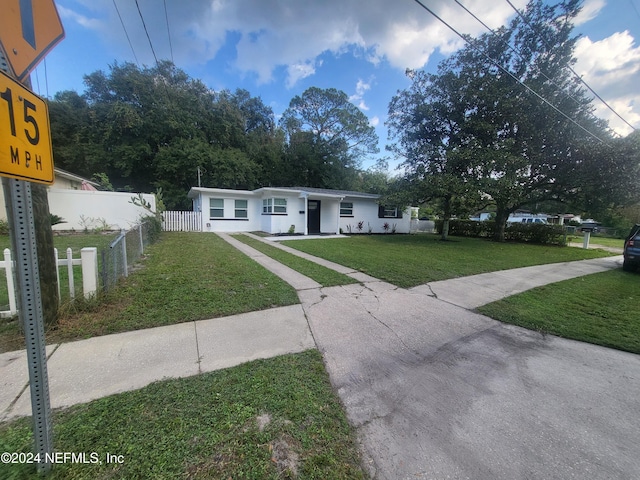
300, 210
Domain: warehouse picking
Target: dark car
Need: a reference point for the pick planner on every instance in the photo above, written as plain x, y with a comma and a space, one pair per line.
632, 249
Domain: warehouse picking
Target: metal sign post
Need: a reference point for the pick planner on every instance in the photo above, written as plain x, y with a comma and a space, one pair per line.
23, 237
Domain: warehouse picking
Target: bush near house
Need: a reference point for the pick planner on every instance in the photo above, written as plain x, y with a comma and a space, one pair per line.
515, 232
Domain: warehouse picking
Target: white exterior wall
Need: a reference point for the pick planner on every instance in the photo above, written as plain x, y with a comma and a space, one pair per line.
97, 208
279, 223
329, 215
367, 211
229, 223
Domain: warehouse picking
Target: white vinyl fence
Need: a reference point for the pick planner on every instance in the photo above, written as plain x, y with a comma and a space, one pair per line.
88, 260
181, 222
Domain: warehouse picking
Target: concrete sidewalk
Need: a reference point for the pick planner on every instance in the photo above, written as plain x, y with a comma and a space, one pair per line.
84, 370
476, 290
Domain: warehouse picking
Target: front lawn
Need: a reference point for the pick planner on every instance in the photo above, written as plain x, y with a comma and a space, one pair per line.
410, 260
601, 308
186, 277
268, 419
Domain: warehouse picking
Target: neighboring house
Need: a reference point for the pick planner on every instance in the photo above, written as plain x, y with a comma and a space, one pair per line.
77, 200
64, 180
301, 210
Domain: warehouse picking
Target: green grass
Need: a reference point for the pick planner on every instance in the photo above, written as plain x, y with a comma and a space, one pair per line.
186, 276
601, 308
76, 242
207, 427
324, 276
410, 260
604, 241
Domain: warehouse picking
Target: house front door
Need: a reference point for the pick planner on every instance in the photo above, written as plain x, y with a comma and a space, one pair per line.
313, 216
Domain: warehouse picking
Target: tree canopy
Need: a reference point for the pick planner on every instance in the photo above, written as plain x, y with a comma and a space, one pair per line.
140, 129
505, 119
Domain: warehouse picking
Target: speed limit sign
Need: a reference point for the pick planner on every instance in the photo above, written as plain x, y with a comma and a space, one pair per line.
25, 135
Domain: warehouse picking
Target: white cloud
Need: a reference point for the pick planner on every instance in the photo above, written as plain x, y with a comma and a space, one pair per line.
611, 67
590, 10
67, 14
358, 97
293, 34
374, 122
299, 71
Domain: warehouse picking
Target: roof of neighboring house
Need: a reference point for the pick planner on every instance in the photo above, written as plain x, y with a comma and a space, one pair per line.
194, 191
72, 176
309, 190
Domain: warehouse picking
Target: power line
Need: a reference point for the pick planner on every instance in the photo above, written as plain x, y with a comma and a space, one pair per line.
125, 32
164, 84
517, 53
635, 8
570, 68
46, 77
147, 32
166, 17
38, 81
495, 62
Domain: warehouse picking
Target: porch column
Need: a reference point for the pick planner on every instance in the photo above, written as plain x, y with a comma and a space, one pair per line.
306, 214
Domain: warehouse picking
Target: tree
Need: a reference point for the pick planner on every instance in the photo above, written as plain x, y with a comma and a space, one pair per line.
427, 121
155, 127
520, 116
328, 136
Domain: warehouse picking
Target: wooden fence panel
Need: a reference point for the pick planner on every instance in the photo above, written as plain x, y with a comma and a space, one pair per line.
181, 222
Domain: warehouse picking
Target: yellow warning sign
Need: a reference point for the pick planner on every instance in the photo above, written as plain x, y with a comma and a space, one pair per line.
29, 29
25, 134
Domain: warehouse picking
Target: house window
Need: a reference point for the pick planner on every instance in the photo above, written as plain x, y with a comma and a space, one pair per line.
346, 209
389, 212
274, 205
279, 205
216, 208
241, 209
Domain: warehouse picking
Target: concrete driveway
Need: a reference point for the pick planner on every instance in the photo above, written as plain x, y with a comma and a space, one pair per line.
436, 391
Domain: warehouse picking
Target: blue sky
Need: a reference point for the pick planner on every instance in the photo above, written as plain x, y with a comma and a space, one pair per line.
276, 49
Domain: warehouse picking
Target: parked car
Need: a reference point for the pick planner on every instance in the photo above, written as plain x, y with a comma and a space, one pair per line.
527, 220
632, 250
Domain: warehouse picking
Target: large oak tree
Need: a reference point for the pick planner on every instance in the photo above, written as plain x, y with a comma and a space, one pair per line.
504, 117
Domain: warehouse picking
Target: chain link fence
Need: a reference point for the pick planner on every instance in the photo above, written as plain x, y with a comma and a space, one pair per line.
120, 256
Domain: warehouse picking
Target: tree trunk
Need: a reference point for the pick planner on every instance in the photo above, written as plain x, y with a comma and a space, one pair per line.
446, 217
44, 246
501, 223
445, 230
46, 259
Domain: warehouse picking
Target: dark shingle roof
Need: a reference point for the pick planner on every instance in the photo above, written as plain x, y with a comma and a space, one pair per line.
329, 191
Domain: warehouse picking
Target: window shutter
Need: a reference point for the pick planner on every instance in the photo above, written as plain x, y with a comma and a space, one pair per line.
380, 211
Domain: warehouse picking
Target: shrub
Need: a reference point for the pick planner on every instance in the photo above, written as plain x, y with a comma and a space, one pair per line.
154, 226
4, 227
514, 232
